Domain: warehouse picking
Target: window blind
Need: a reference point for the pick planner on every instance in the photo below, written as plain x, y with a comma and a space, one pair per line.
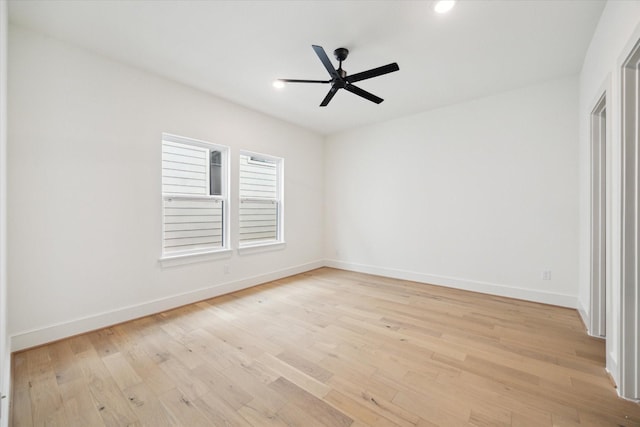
185, 169
258, 200
191, 224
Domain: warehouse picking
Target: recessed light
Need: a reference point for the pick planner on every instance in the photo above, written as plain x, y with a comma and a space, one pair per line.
444, 6
278, 84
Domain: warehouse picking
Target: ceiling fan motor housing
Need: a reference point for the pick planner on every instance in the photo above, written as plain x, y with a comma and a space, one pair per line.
341, 53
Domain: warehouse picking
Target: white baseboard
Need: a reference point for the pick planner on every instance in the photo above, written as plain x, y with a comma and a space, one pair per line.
586, 321
458, 283
35, 337
39, 336
584, 316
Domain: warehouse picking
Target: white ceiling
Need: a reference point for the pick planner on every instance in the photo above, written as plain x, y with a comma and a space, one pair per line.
235, 49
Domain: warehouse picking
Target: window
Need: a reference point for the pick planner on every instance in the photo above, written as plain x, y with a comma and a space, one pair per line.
194, 196
260, 199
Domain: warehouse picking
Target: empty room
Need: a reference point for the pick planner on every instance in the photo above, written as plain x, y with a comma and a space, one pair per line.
319, 213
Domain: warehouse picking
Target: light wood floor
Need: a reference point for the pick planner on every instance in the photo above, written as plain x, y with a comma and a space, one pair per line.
327, 348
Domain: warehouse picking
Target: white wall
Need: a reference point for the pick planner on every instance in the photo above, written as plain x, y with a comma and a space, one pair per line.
480, 195
617, 31
84, 217
5, 356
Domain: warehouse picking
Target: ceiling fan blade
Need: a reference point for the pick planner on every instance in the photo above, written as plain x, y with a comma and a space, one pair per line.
325, 60
303, 81
363, 93
374, 72
327, 98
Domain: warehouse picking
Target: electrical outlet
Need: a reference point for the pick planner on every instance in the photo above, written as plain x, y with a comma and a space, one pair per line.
546, 275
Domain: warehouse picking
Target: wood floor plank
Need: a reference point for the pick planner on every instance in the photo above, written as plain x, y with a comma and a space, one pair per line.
21, 385
358, 412
295, 376
219, 413
376, 400
304, 365
183, 409
256, 413
327, 348
144, 366
47, 407
121, 371
220, 385
80, 407
109, 400
189, 383
308, 405
146, 405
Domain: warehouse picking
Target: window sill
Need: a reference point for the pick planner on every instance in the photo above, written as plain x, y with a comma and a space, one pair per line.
262, 247
190, 258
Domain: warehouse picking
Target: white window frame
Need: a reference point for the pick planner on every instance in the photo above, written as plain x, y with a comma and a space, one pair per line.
224, 197
279, 200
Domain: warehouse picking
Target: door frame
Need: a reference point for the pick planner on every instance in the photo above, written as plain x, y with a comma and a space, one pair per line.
630, 241
599, 270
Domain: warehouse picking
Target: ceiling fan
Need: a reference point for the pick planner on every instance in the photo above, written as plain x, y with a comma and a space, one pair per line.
340, 79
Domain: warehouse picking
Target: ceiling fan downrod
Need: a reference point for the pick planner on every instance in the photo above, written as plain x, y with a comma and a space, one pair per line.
341, 54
